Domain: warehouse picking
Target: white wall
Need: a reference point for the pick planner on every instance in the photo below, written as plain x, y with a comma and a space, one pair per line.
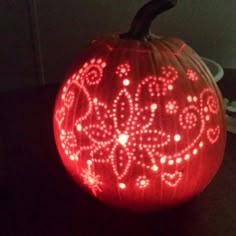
17, 60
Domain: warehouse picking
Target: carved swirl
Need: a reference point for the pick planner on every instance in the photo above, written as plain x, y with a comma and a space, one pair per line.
189, 117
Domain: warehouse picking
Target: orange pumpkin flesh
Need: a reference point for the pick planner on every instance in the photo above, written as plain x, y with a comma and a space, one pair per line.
140, 124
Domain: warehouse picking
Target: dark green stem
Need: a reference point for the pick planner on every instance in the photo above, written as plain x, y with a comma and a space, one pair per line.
140, 27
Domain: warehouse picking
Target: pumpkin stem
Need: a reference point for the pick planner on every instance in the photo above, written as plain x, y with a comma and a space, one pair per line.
140, 27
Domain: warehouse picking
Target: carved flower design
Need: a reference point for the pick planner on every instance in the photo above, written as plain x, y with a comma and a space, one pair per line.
122, 133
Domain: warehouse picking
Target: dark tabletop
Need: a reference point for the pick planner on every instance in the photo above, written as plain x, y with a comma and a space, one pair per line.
38, 198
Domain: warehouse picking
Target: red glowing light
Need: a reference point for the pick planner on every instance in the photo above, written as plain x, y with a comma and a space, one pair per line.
122, 185
91, 179
186, 157
126, 82
195, 151
172, 179
213, 134
123, 70
171, 107
189, 98
142, 182
192, 75
141, 138
177, 138
154, 107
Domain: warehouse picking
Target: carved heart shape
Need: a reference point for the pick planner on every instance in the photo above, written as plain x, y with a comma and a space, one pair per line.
213, 134
172, 179
60, 115
69, 99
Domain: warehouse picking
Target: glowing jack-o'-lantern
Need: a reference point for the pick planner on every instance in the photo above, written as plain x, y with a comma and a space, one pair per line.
140, 121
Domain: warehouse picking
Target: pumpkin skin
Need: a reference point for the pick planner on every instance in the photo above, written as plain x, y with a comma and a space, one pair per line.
138, 124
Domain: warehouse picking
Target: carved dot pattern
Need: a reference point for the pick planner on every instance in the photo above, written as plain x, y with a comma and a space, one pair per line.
171, 107
91, 72
69, 143
122, 134
212, 104
172, 179
69, 99
192, 75
142, 182
123, 70
60, 116
189, 117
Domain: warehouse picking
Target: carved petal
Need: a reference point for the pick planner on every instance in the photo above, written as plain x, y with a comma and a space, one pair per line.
101, 114
122, 111
144, 116
83, 103
101, 135
152, 139
120, 159
101, 153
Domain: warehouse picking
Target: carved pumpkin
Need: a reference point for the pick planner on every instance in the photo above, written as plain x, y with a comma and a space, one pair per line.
140, 122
